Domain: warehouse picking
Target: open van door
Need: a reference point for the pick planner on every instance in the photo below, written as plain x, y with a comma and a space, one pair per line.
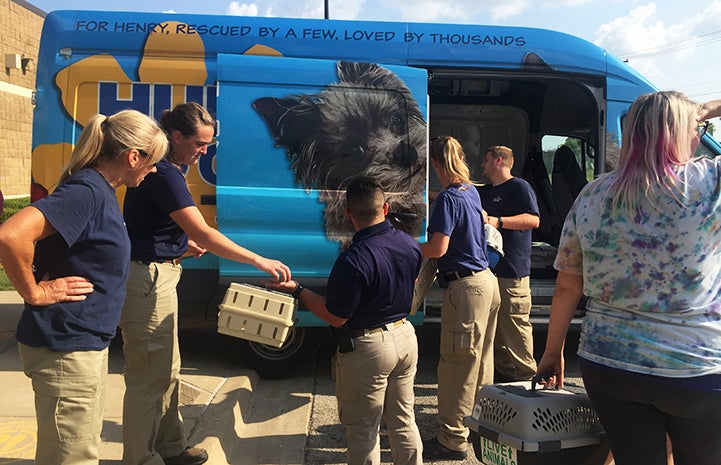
291, 134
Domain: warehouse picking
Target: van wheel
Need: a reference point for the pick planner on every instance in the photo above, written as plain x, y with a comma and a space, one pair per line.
300, 347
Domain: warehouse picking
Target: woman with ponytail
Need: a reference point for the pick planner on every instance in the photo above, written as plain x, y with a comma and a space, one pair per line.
67, 256
470, 301
164, 223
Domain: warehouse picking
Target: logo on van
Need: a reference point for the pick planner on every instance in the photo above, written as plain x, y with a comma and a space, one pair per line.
164, 78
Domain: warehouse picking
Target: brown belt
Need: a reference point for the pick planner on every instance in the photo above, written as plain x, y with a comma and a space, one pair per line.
169, 261
385, 327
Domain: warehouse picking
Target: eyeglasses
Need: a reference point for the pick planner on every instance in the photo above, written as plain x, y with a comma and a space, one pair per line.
702, 127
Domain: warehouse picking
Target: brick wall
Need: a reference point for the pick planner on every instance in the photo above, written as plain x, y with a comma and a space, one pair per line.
20, 28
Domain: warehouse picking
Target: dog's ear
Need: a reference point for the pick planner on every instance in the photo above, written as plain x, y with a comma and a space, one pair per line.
291, 121
294, 123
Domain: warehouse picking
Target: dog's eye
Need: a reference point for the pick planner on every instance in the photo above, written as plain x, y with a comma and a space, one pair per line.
351, 150
358, 151
396, 122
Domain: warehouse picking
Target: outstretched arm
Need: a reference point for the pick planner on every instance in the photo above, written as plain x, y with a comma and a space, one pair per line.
192, 222
312, 301
710, 109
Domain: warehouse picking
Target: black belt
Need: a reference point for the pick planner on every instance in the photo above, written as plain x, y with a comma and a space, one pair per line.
453, 275
385, 327
168, 261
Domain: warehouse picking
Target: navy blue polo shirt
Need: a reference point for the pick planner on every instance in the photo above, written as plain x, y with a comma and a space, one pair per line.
510, 198
91, 242
372, 281
457, 214
153, 233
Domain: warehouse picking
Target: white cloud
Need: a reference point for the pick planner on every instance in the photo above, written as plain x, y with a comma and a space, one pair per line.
339, 9
508, 9
434, 10
671, 54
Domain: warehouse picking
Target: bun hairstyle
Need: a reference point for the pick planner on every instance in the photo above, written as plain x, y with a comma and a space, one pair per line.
185, 118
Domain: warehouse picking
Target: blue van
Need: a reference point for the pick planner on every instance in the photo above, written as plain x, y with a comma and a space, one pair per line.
303, 104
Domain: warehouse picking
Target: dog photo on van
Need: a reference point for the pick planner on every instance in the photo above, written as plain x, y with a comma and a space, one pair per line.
365, 123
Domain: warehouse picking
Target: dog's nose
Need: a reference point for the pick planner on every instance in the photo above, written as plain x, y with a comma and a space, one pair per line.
405, 155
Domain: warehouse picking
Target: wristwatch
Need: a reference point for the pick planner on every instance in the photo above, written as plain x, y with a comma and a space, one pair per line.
500, 222
296, 292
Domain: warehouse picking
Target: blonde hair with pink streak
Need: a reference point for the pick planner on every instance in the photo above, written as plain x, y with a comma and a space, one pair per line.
657, 136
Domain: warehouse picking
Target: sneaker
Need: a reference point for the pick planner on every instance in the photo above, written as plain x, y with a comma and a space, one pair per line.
190, 456
434, 450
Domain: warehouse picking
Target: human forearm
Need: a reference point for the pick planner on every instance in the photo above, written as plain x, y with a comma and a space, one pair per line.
711, 109
521, 222
18, 236
567, 295
17, 262
436, 247
205, 237
569, 289
311, 300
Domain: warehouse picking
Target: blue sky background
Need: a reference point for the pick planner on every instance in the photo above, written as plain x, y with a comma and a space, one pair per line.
673, 43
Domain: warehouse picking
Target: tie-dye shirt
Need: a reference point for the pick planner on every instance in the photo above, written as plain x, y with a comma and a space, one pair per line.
653, 278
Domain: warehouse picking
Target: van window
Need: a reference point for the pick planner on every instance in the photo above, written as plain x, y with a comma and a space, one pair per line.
570, 164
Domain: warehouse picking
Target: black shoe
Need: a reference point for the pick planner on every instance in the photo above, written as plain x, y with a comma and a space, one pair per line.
190, 456
434, 450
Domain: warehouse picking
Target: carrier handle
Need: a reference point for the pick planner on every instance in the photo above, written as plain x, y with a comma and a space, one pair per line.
541, 377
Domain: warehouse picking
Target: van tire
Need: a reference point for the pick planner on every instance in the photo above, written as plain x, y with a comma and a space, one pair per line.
299, 349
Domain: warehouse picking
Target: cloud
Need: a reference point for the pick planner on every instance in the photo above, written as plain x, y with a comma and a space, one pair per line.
508, 9
668, 53
339, 9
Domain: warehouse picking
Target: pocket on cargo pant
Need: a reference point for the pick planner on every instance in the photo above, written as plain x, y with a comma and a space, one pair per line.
458, 338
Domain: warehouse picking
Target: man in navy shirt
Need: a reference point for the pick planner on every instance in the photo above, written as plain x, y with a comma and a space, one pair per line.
511, 207
368, 296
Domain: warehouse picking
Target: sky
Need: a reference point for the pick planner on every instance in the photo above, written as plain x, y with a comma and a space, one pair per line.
674, 44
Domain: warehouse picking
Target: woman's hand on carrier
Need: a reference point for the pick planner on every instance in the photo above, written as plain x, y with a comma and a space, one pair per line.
551, 366
277, 269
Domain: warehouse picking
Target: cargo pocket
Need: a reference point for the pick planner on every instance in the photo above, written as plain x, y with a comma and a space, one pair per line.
459, 339
519, 301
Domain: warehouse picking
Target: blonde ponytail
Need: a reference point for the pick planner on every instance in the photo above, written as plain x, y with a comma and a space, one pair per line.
105, 138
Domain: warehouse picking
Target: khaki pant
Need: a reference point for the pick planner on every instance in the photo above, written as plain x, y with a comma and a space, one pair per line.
375, 382
514, 334
468, 326
152, 424
69, 401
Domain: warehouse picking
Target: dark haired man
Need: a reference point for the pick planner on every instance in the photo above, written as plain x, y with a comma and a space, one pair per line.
368, 297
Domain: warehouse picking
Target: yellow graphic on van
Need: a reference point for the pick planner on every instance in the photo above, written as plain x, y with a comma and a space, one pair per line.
171, 69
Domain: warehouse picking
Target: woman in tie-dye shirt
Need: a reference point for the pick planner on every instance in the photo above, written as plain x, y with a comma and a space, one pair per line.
642, 243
